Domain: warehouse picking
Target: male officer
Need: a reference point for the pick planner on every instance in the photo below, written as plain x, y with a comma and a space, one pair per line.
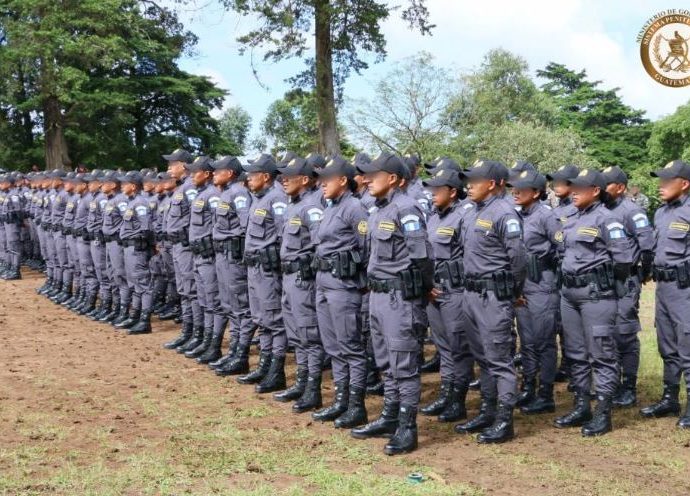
70, 238
94, 233
229, 228
262, 256
54, 276
640, 230
177, 230
400, 276
88, 282
136, 235
61, 259
672, 276
166, 186
303, 215
495, 263
13, 212
201, 243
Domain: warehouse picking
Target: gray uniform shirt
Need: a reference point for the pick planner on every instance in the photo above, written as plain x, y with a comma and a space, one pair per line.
302, 219
266, 219
672, 232
201, 214
636, 225
232, 213
136, 220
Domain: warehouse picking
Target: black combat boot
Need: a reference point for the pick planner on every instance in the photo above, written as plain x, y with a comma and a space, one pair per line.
455, 408
374, 383
143, 326
84, 299
239, 364
46, 286
579, 415
257, 375
404, 440
667, 406
684, 421
626, 396
440, 403
601, 420
275, 377
196, 340
73, 300
528, 390
213, 352
542, 403
430, 366
485, 419
384, 426
184, 336
502, 428
13, 275
132, 319
121, 316
64, 295
295, 391
338, 407
54, 290
356, 413
89, 305
169, 313
232, 351
101, 310
311, 398
203, 345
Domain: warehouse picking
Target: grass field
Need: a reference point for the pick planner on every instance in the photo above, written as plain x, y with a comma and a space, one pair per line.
88, 411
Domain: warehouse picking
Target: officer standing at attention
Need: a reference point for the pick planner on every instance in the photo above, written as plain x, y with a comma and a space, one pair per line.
177, 230
341, 265
13, 213
494, 261
61, 258
89, 282
136, 235
597, 260
201, 242
563, 211
229, 227
536, 312
445, 309
262, 256
303, 215
400, 277
94, 231
672, 275
637, 225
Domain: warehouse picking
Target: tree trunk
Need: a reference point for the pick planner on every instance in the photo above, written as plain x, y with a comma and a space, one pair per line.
57, 154
325, 95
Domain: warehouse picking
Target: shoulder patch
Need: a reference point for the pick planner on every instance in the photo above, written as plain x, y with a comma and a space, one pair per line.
411, 223
279, 208
467, 206
191, 194
362, 227
103, 202
513, 226
315, 214
616, 230
141, 210
424, 203
122, 206
640, 219
213, 201
240, 202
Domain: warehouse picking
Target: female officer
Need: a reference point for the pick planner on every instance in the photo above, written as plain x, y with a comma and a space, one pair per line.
596, 263
536, 312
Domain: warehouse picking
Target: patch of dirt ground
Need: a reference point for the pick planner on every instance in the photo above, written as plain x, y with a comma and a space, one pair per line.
85, 409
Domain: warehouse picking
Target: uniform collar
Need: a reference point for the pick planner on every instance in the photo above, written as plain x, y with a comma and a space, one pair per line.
564, 202
345, 195
382, 202
487, 202
448, 210
590, 208
681, 200
260, 194
530, 210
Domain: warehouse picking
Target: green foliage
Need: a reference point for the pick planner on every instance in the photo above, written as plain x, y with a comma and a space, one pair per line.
234, 127
613, 133
670, 137
111, 67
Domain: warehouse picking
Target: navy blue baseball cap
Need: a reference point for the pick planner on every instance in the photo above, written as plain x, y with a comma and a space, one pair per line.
528, 179
179, 155
675, 168
228, 163
564, 173
487, 169
264, 163
337, 166
201, 163
385, 162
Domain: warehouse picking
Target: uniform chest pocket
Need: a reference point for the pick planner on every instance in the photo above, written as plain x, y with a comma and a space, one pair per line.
585, 246
256, 226
176, 208
293, 236
676, 242
383, 244
442, 246
198, 215
221, 217
486, 238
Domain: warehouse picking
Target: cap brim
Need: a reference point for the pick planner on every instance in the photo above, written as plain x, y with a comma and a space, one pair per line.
287, 171
435, 182
580, 181
521, 184
367, 168
664, 174
250, 167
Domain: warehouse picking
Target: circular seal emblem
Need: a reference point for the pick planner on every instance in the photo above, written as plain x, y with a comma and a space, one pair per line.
664, 47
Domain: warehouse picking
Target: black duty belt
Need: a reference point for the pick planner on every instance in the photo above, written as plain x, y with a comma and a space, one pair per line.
579, 280
290, 267
384, 285
108, 238
180, 237
664, 274
479, 285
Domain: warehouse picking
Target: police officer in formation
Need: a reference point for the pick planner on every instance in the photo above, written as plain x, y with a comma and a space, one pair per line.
353, 262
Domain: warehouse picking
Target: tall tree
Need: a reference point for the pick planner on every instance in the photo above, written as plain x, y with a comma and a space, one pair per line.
670, 137
344, 31
234, 127
98, 80
613, 132
406, 113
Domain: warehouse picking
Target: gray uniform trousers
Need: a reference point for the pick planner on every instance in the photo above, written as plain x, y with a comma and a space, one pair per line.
489, 332
589, 333
186, 285
299, 316
159, 280
40, 232
13, 245
116, 273
340, 325
52, 267
449, 333
265, 294
98, 257
234, 298
73, 259
206, 283
394, 321
61, 260
627, 328
4, 256
168, 268
139, 277
537, 328
87, 270
672, 321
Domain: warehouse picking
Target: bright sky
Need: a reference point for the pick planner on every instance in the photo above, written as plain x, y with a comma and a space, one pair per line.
598, 36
